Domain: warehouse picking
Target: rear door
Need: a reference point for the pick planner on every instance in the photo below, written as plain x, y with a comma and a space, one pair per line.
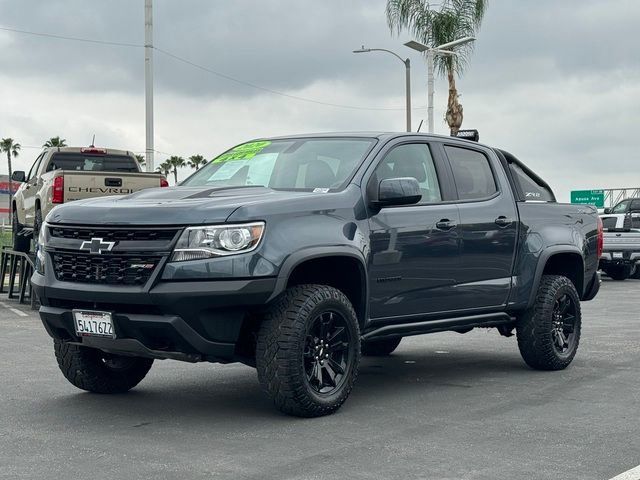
488, 227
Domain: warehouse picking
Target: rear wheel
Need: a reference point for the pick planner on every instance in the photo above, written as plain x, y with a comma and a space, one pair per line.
549, 332
618, 272
21, 243
380, 348
100, 372
308, 351
636, 272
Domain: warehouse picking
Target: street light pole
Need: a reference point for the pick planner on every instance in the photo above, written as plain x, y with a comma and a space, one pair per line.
430, 89
407, 69
431, 53
148, 82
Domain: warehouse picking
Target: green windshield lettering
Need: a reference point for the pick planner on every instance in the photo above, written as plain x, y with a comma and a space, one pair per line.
242, 152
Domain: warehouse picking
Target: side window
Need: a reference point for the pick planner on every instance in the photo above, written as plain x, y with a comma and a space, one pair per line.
410, 160
621, 207
472, 173
635, 206
34, 167
532, 190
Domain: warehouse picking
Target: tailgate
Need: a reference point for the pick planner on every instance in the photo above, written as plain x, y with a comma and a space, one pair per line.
79, 185
622, 241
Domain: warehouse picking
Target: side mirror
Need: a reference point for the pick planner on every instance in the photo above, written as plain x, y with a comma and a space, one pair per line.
18, 176
607, 211
398, 191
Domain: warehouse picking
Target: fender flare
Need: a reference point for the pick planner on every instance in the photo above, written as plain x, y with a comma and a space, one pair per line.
542, 263
311, 253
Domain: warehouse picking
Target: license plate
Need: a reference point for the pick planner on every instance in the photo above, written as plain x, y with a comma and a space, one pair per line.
618, 255
93, 324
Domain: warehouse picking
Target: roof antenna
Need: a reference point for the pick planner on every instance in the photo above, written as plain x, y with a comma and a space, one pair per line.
420, 126
93, 141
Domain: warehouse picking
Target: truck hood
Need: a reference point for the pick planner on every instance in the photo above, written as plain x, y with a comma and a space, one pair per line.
166, 206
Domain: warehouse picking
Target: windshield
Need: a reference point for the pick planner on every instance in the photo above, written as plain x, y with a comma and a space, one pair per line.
92, 163
318, 164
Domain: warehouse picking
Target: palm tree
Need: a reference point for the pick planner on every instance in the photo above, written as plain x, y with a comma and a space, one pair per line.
452, 20
176, 162
140, 159
195, 161
164, 168
55, 142
12, 148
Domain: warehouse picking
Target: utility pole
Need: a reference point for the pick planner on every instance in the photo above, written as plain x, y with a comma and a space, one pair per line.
148, 82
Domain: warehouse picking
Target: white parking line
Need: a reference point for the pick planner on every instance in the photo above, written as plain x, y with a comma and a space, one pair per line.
633, 474
20, 313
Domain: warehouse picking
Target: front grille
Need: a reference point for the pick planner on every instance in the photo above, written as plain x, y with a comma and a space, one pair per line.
104, 269
113, 234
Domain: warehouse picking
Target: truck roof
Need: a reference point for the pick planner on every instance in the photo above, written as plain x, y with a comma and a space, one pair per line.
380, 135
101, 150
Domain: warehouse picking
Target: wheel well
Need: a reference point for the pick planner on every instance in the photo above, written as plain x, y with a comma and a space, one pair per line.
344, 273
569, 265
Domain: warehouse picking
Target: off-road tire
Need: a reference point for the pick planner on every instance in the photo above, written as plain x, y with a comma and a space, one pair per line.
280, 350
21, 243
37, 224
87, 369
618, 273
380, 348
534, 329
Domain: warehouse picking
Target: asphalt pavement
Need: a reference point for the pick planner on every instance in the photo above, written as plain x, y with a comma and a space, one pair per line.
444, 406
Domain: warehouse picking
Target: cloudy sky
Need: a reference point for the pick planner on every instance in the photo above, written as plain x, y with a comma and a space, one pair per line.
556, 82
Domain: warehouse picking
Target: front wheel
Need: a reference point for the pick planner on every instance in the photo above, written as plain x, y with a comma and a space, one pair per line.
549, 332
100, 372
308, 350
21, 243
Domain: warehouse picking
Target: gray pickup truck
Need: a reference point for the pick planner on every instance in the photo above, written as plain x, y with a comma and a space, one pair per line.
299, 254
620, 257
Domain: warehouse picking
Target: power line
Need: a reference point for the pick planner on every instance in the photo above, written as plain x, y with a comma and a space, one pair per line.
208, 70
76, 39
264, 89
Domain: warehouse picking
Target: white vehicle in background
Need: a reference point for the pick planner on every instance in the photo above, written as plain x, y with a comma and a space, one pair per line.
620, 257
64, 174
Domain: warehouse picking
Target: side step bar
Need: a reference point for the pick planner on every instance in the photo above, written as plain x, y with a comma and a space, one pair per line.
418, 328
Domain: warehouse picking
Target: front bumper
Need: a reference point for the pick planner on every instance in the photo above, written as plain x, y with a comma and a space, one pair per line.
191, 321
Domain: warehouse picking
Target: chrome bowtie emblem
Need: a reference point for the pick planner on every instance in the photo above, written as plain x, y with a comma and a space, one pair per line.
97, 245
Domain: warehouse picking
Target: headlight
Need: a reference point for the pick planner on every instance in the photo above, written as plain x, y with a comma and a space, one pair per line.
40, 250
217, 241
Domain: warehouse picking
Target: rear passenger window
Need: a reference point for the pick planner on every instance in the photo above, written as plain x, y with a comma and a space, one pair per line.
472, 173
531, 189
635, 206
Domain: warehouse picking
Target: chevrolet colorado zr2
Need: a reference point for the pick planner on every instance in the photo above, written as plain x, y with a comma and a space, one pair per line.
297, 255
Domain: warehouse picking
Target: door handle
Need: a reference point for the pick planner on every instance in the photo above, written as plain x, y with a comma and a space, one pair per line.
445, 224
503, 221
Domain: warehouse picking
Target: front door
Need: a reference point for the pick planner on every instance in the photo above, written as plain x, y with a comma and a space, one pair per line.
415, 251
30, 190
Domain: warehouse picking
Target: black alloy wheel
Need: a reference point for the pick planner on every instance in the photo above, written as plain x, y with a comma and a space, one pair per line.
327, 354
564, 321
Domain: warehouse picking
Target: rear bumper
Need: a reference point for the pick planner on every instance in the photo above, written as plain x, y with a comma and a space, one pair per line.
620, 257
190, 321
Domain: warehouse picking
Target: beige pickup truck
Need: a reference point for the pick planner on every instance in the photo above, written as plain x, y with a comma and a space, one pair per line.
64, 174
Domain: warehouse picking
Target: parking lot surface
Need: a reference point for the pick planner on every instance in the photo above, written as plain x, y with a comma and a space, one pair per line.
444, 406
